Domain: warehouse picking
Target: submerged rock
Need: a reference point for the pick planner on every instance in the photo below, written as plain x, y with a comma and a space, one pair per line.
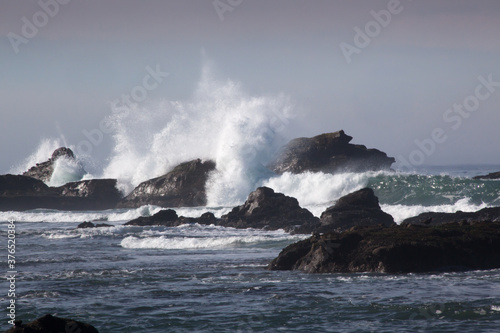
184, 186
51, 324
43, 171
166, 218
330, 152
23, 193
397, 249
493, 175
88, 224
431, 218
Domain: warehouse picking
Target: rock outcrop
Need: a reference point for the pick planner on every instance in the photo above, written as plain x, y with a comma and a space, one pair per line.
43, 171
330, 152
23, 193
87, 224
493, 175
51, 324
167, 218
360, 208
266, 209
184, 186
431, 218
397, 249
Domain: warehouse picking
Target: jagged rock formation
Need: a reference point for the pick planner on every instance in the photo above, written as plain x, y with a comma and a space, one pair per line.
23, 193
184, 186
330, 152
397, 249
493, 175
51, 324
43, 171
264, 209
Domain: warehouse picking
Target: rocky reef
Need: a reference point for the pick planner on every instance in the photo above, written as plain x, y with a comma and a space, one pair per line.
184, 186
23, 193
330, 152
264, 209
397, 249
432, 218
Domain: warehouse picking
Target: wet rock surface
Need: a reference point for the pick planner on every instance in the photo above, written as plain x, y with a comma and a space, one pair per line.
329, 152
184, 186
397, 249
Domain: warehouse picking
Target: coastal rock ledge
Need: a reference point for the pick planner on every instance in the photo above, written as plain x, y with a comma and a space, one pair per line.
397, 249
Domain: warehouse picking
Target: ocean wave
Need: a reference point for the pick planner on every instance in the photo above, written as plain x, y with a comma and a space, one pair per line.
401, 212
217, 242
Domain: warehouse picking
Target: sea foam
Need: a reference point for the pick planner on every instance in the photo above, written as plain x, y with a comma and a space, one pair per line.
220, 122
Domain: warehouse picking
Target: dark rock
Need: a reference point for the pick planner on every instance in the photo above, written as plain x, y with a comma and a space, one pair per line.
397, 249
360, 208
24, 193
330, 152
265, 209
169, 218
184, 186
166, 218
51, 324
493, 175
43, 171
431, 218
87, 224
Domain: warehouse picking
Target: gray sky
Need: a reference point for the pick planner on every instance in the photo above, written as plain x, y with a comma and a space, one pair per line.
394, 88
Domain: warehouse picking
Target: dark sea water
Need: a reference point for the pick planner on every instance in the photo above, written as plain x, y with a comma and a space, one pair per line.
212, 279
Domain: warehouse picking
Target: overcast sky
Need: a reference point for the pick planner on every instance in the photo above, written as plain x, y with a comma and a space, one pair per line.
420, 82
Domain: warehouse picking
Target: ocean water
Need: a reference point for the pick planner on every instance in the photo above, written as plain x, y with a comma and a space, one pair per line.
211, 279
196, 278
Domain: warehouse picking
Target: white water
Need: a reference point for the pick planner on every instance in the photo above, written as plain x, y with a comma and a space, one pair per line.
204, 237
220, 122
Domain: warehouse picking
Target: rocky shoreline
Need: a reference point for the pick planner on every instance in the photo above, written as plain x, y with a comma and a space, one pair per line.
353, 235
184, 185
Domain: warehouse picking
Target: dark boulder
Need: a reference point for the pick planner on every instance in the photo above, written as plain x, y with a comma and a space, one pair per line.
24, 193
169, 218
493, 175
184, 186
431, 218
360, 208
266, 209
166, 218
43, 171
397, 249
51, 324
86, 224
330, 152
